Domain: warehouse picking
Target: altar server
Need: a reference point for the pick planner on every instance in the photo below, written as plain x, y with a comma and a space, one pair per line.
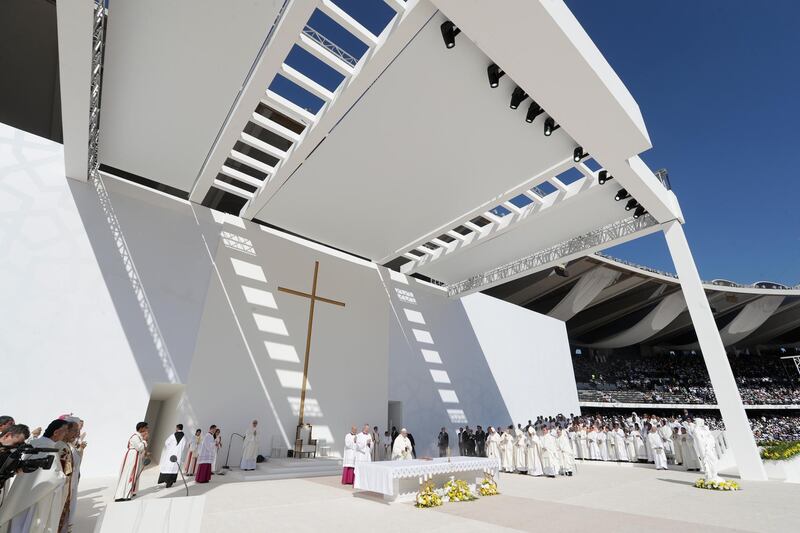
173, 446
349, 457
191, 458
566, 456
657, 447
250, 447
35, 501
493, 444
132, 464
402, 447
533, 455
206, 454
550, 464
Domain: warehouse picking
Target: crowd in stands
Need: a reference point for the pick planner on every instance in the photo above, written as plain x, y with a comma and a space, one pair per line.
762, 380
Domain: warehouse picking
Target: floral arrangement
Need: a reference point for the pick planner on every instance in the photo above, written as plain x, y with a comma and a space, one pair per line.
457, 490
488, 487
780, 450
427, 496
717, 485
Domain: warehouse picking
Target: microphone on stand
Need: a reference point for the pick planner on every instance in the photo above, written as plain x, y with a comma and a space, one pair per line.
174, 459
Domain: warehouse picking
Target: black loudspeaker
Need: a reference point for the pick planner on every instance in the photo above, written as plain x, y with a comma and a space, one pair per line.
260, 459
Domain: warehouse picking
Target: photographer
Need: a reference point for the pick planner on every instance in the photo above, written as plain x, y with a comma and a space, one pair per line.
36, 497
12, 437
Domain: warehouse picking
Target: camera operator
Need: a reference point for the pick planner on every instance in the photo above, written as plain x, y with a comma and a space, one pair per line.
12, 437
36, 498
6, 422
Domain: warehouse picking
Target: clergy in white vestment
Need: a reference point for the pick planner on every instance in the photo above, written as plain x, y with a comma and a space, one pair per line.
638, 443
665, 431
132, 464
387, 446
35, 501
217, 449
349, 457
566, 456
206, 454
533, 456
550, 464
376, 446
77, 446
173, 447
250, 447
706, 444
676, 444
611, 444
191, 457
690, 460
594, 449
507, 451
520, 451
602, 444
364, 446
583, 443
493, 444
619, 443
630, 447
401, 450
657, 447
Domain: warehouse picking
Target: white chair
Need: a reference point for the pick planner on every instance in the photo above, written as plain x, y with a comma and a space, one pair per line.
278, 449
323, 448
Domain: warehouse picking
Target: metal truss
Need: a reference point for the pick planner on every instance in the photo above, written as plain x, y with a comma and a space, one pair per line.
330, 46
582, 244
98, 51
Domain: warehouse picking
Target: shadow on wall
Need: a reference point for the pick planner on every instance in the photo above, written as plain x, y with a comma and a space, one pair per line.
437, 368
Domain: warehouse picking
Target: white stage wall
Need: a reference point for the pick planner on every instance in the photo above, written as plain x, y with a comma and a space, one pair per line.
108, 300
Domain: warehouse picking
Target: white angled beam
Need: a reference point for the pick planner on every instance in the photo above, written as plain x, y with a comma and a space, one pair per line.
219, 184
269, 124
397, 5
241, 176
251, 162
349, 23
258, 144
306, 83
289, 108
323, 54
737, 427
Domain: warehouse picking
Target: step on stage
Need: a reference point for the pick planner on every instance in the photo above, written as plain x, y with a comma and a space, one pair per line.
288, 468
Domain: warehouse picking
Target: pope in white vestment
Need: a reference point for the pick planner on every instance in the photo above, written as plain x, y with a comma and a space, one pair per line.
550, 464
250, 447
533, 457
401, 450
35, 501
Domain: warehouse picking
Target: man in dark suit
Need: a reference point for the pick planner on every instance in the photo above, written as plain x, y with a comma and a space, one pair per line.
480, 442
444, 442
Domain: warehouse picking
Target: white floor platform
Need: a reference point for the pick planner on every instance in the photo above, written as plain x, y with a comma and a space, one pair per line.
600, 498
289, 468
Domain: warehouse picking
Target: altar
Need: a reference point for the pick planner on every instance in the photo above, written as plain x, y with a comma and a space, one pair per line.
399, 481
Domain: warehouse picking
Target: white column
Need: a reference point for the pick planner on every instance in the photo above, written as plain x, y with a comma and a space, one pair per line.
737, 427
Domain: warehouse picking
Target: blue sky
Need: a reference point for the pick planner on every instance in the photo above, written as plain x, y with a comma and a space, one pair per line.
718, 84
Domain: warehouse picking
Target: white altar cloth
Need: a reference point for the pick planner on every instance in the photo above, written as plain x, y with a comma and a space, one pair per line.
400, 479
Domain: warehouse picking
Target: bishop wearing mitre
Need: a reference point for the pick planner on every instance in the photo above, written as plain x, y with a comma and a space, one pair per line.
402, 447
250, 448
349, 457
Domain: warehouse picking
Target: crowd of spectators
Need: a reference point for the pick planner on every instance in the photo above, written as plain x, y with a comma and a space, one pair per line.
762, 379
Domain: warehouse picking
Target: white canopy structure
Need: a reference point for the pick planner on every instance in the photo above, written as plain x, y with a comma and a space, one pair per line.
413, 159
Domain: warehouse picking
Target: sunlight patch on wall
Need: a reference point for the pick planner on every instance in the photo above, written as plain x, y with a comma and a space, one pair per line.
270, 324
248, 270
259, 297
281, 352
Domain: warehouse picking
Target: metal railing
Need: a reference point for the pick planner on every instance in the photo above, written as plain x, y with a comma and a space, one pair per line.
330, 46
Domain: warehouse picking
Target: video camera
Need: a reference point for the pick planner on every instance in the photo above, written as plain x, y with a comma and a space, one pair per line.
12, 460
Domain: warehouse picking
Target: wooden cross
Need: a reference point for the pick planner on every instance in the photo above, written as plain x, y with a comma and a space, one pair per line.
314, 299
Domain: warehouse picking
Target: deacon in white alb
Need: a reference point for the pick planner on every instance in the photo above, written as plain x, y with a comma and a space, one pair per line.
349, 457
173, 447
401, 450
250, 447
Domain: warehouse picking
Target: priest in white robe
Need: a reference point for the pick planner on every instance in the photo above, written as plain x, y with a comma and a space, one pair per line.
656, 444
387, 446
566, 455
376, 447
676, 444
507, 451
401, 450
550, 464
520, 451
132, 464
602, 444
174, 446
250, 447
638, 443
206, 454
620, 447
583, 443
690, 460
349, 457
665, 431
630, 447
493, 444
35, 501
533, 456
364, 446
